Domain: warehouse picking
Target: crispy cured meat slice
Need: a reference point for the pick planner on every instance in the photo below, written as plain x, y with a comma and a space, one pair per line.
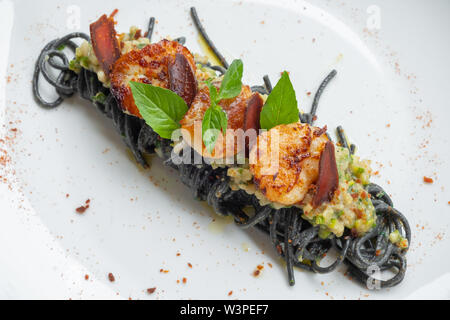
328, 180
104, 42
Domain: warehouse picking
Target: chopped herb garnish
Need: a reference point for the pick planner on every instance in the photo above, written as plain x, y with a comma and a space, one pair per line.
74, 65
99, 97
380, 194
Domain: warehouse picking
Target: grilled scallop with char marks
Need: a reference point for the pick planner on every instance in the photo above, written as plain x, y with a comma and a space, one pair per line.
285, 161
166, 64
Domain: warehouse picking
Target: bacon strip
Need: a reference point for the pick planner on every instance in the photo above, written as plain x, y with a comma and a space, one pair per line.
182, 78
252, 114
252, 120
105, 43
328, 180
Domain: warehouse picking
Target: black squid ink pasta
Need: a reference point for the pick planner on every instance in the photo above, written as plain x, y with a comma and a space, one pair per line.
294, 239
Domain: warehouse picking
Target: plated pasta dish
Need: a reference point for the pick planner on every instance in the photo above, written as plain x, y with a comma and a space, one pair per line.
245, 149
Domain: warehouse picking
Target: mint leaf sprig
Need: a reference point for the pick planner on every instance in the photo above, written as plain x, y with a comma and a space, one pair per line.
281, 106
215, 119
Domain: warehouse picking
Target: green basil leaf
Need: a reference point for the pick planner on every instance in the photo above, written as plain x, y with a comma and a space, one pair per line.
161, 109
212, 93
281, 105
232, 82
214, 121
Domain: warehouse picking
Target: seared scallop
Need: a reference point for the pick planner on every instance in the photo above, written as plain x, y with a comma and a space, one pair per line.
166, 64
285, 161
236, 109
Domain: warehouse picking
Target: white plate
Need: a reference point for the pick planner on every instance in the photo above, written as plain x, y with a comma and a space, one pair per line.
391, 95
